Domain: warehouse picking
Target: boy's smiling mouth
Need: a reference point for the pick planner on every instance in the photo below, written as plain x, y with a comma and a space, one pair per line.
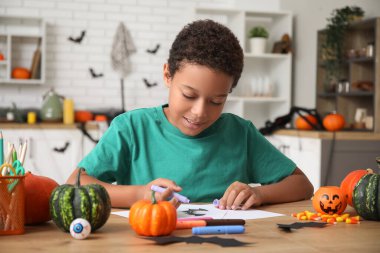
192, 124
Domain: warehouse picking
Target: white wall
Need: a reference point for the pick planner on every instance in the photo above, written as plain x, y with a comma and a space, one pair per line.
309, 17
149, 21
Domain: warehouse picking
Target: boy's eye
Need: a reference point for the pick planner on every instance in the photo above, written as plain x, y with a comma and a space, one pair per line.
216, 102
187, 96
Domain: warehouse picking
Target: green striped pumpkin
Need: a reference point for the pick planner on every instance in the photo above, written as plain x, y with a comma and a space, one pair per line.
366, 197
90, 202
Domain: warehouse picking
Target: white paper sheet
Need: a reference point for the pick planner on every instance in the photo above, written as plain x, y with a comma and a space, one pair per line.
215, 213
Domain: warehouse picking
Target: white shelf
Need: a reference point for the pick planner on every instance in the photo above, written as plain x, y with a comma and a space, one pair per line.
21, 81
268, 56
277, 68
19, 37
19, 34
256, 99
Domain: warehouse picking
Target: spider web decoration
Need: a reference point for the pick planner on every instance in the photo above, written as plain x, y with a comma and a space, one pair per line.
122, 48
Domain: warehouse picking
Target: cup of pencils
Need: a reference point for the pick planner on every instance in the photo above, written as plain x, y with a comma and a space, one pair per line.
12, 192
12, 202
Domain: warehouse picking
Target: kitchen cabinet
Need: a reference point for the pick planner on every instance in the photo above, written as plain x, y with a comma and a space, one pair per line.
305, 152
326, 157
359, 85
19, 39
261, 72
52, 152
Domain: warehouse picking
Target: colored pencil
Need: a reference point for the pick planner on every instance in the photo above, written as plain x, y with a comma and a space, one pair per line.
1, 148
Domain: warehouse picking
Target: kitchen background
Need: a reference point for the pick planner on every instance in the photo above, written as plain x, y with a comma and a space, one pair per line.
150, 22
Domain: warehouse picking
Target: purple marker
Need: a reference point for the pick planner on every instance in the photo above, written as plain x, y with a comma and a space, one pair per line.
179, 197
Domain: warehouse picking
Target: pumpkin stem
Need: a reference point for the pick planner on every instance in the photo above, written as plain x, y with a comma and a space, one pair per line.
370, 171
77, 183
154, 201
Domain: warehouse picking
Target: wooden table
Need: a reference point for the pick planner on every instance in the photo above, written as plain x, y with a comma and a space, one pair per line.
116, 236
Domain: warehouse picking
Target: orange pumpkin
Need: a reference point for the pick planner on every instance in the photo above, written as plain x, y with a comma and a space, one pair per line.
349, 182
329, 200
20, 73
37, 194
152, 218
2, 58
334, 122
302, 124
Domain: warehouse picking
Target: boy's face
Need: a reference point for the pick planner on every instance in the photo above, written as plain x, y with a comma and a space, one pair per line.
196, 97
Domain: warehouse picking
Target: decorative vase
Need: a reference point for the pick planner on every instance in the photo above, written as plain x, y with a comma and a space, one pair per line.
258, 45
52, 109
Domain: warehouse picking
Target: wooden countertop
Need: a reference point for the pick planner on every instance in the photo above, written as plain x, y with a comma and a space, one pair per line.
263, 235
340, 135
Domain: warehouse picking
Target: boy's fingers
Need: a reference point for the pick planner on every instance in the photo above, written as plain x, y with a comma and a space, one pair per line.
167, 194
223, 201
250, 201
167, 183
231, 198
240, 198
175, 202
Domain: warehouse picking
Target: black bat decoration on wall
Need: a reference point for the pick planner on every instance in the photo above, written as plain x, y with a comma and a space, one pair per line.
93, 74
148, 84
63, 149
79, 39
154, 51
223, 242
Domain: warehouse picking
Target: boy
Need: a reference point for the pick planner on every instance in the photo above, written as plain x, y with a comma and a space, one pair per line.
189, 142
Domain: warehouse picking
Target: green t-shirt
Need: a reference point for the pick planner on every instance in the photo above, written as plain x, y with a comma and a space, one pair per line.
142, 145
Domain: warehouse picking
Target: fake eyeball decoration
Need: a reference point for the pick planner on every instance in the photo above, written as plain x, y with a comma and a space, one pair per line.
80, 229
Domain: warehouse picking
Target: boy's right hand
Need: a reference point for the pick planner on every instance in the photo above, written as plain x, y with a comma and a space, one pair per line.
170, 186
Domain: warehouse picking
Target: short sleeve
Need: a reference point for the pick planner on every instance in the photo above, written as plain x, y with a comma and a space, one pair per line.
267, 164
110, 158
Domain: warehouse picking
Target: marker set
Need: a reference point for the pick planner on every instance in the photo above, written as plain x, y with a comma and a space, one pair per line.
213, 226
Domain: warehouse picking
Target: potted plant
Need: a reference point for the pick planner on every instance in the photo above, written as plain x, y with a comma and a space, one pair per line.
258, 36
332, 48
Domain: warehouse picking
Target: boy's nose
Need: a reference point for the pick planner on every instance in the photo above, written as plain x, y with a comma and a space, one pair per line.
199, 109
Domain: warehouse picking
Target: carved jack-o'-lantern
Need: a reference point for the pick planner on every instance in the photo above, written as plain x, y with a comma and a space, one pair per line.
329, 200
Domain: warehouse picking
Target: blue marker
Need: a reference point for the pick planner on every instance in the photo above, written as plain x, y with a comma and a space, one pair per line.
232, 229
180, 197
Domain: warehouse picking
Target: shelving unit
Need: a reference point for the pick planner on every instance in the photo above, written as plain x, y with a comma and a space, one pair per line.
357, 68
277, 68
19, 38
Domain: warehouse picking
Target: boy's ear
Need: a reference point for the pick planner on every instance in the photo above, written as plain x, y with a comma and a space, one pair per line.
167, 78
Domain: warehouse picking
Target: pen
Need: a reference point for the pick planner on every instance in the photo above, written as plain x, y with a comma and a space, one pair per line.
180, 197
235, 229
203, 223
190, 224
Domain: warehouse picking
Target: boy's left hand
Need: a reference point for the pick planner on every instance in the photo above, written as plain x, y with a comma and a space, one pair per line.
240, 196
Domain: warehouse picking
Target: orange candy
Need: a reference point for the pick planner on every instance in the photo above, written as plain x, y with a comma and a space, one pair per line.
328, 218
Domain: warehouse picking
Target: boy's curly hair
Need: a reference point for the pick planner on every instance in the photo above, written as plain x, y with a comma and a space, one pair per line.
210, 44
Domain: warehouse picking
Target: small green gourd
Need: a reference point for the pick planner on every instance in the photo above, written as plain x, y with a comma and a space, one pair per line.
90, 202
